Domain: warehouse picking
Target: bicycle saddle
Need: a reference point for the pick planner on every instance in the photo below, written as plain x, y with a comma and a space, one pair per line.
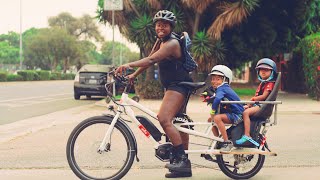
192, 85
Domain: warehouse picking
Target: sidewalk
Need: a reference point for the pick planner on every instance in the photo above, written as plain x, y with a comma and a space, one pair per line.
34, 148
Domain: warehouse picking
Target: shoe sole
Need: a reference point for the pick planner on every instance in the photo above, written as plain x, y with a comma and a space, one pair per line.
184, 170
177, 175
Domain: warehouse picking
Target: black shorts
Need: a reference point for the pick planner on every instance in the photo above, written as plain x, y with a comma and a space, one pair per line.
181, 89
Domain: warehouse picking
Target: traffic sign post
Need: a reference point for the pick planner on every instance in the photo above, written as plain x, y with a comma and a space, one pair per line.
113, 5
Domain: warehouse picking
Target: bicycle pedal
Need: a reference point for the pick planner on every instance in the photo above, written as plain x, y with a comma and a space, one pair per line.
206, 157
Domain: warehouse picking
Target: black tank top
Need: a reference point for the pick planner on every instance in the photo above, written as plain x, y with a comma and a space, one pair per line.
171, 72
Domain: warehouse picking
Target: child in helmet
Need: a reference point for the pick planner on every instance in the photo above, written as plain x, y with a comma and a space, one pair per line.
266, 70
221, 77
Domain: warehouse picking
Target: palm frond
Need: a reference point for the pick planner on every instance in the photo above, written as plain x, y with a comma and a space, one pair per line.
234, 14
142, 31
206, 51
154, 4
198, 6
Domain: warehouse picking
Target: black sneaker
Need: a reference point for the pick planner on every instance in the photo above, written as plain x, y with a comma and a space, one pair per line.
175, 174
182, 164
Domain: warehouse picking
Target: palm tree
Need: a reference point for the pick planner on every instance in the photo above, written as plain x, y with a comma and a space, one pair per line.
135, 22
207, 51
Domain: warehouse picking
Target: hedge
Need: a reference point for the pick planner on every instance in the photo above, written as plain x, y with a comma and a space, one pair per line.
3, 76
14, 77
310, 48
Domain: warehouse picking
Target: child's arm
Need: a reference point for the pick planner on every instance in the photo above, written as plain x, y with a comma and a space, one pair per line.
261, 97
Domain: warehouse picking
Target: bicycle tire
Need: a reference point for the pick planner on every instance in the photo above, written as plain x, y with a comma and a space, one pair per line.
115, 169
233, 172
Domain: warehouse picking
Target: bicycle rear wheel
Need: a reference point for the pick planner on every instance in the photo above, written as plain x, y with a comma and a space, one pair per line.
83, 144
242, 166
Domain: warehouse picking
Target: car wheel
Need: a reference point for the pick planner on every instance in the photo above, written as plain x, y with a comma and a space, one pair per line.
88, 96
76, 96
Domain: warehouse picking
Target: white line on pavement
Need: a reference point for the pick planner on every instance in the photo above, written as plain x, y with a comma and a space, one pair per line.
34, 97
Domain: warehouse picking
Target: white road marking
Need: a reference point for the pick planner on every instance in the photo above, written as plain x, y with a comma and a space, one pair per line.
35, 97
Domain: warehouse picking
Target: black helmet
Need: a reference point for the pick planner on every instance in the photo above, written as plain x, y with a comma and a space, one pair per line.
165, 15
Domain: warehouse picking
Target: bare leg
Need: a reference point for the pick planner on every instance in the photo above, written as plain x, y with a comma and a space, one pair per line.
171, 104
246, 119
185, 140
220, 120
214, 129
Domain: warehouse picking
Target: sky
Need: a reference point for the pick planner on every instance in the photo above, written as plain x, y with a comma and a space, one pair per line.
35, 13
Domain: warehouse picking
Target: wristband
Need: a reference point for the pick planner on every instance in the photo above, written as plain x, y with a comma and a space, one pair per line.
212, 112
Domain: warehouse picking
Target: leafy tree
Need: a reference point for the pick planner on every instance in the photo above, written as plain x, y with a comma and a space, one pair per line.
51, 47
12, 38
119, 50
8, 54
83, 27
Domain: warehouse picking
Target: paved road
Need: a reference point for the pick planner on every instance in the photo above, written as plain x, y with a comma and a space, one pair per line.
21, 100
35, 148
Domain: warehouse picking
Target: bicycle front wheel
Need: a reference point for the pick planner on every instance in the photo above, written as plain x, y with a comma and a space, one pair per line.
82, 149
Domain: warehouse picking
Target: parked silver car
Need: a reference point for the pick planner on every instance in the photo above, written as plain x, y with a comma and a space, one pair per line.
88, 81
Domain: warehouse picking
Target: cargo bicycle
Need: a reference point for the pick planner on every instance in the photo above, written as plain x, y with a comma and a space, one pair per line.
104, 147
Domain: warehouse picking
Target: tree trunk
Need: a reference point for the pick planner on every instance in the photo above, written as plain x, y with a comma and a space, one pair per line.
66, 64
253, 75
196, 24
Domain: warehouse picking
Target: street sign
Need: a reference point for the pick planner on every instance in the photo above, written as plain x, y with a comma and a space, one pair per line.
116, 5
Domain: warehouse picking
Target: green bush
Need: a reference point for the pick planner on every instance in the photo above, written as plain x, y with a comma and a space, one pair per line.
55, 76
14, 77
149, 89
43, 75
68, 76
3, 76
310, 48
28, 75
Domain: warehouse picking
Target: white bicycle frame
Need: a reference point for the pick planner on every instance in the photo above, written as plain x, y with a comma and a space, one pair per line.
125, 107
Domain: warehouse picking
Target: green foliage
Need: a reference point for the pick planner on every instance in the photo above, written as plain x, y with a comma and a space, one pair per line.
68, 76
119, 50
207, 51
14, 77
8, 53
43, 75
55, 76
142, 31
3, 76
28, 75
310, 47
149, 89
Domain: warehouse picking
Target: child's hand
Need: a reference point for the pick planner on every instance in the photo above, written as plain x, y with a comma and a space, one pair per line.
246, 106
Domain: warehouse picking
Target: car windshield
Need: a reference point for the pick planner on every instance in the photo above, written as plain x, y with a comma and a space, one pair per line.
95, 68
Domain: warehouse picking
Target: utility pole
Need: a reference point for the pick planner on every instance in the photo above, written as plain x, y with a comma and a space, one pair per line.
20, 52
113, 5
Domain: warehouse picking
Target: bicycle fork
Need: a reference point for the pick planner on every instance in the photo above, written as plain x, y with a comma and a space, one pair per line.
106, 142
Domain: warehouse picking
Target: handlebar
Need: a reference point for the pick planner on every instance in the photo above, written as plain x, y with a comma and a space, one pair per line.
121, 80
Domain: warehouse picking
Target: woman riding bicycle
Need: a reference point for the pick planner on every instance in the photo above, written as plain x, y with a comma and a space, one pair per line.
168, 55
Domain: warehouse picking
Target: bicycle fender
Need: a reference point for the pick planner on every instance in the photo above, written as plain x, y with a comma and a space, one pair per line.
121, 121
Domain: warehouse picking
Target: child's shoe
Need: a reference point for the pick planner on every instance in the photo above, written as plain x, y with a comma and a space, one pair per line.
244, 139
